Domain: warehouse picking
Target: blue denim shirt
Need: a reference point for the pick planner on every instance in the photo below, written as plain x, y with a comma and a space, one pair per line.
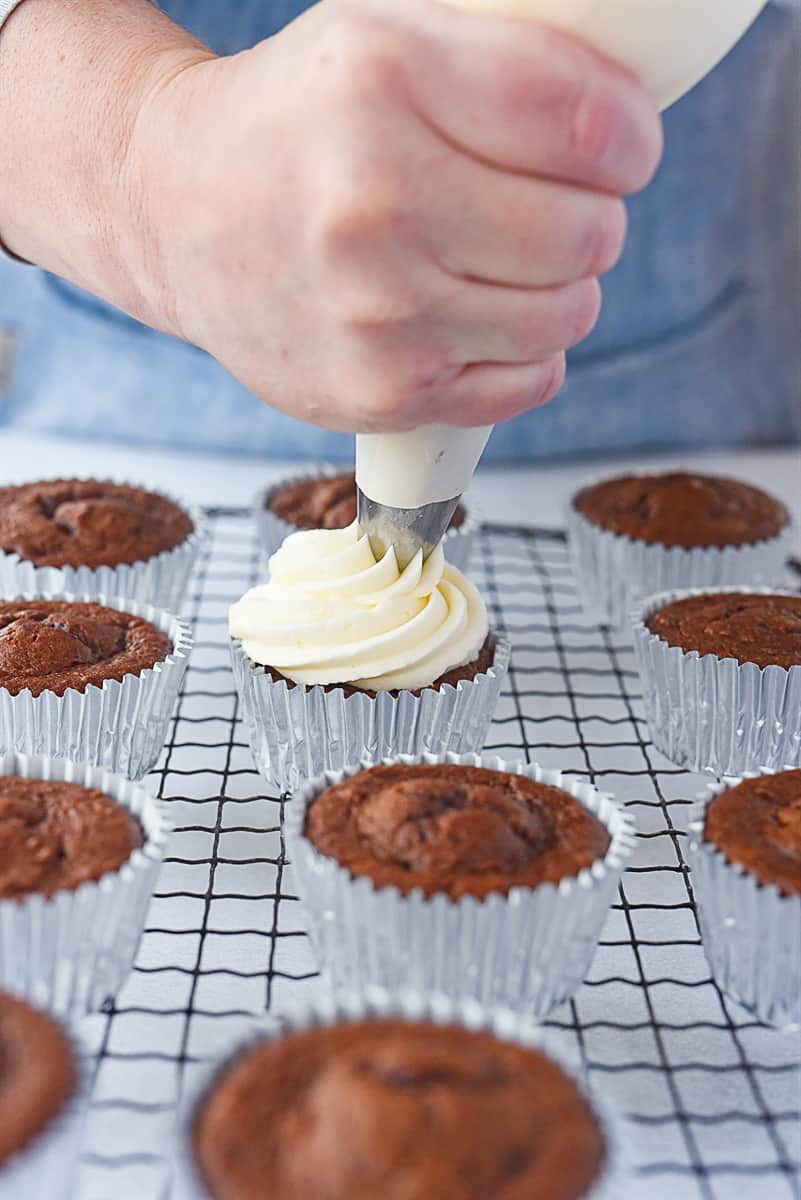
698, 343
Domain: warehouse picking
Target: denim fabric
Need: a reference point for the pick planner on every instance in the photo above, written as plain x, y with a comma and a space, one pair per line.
698, 343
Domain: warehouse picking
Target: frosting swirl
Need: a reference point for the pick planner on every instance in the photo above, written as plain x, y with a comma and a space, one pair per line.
333, 613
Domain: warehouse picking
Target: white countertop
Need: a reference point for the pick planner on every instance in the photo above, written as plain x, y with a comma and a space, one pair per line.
534, 495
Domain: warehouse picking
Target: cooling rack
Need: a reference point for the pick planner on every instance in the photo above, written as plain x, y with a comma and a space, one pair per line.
711, 1097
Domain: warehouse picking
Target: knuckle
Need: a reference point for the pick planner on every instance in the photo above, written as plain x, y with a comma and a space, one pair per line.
608, 236
595, 118
584, 306
553, 376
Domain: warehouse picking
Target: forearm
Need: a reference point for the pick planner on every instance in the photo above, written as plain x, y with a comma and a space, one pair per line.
74, 183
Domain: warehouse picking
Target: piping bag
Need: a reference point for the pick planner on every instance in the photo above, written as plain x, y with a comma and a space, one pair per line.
410, 483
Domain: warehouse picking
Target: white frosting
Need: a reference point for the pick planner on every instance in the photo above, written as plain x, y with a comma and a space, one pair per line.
332, 613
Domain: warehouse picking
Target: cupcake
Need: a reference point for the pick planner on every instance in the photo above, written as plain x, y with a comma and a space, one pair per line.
403, 1097
342, 655
80, 850
40, 1105
468, 877
94, 681
721, 678
639, 534
325, 498
745, 856
88, 535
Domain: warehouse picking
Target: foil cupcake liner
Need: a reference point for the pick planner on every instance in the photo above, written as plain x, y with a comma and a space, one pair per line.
121, 725
751, 933
715, 714
614, 572
47, 1167
72, 951
297, 733
526, 951
408, 1005
457, 543
161, 580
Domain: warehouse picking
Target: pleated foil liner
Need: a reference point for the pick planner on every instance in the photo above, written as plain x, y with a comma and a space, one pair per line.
47, 1167
161, 580
297, 733
121, 725
715, 714
526, 951
751, 933
70, 953
457, 543
407, 1005
614, 572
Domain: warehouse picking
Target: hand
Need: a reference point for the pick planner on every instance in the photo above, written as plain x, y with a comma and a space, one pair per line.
393, 212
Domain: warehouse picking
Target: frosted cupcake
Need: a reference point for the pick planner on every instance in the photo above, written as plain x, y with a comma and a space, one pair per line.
341, 655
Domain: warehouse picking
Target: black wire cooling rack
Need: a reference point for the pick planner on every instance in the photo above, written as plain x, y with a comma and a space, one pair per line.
712, 1098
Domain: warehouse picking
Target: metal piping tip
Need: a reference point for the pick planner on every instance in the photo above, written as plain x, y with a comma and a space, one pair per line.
407, 529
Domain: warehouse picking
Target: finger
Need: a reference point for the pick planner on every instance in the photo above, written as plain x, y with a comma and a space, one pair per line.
488, 393
531, 99
502, 228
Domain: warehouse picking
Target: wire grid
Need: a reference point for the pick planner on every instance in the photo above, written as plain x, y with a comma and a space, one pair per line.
712, 1098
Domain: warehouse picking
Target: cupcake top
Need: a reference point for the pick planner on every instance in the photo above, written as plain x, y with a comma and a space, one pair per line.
457, 830
38, 1075
757, 825
325, 503
400, 1110
332, 613
53, 645
683, 509
56, 835
86, 523
761, 629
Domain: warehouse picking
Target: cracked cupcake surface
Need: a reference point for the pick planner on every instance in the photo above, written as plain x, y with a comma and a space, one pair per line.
397, 1110
683, 509
453, 829
750, 627
56, 835
757, 824
325, 503
53, 645
87, 523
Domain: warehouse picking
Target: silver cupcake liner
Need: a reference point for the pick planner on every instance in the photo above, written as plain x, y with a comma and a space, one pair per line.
614, 572
751, 932
457, 543
297, 733
715, 714
47, 1167
71, 952
526, 951
121, 725
408, 1005
161, 580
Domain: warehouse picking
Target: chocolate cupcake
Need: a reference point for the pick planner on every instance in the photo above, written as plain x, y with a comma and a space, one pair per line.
40, 1103
343, 1093
80, 849
721, 678
324, 497
340, 653
462, 876
640, 534
87, 535
745, 856
90, 680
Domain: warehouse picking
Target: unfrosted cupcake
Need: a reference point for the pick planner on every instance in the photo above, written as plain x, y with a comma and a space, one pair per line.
89, 535
462, 876
745, 857
88, 680
400, 1096
635, 535
80, 849
340, 655
325, 498
721, 677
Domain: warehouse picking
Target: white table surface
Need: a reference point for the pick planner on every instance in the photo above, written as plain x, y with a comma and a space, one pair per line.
533, 495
